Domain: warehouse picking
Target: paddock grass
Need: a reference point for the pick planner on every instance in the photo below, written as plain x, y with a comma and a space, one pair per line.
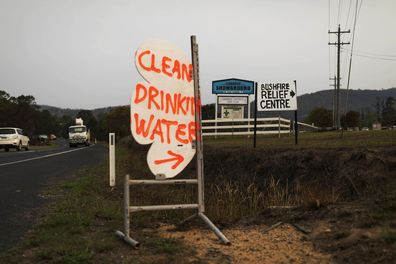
332, 139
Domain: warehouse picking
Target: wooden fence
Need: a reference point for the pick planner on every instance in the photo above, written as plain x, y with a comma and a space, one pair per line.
272, 125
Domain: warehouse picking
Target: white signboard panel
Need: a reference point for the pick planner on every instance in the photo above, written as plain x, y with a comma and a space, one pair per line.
163, 107
232, 100
276, 96
232, 112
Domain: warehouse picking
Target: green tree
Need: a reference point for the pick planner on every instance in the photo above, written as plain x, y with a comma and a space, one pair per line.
45, 123
5, 108
351, 119
389, 112
208, 111
117, 121
23, 112
64, 123
320, 116
378, 109
367, 117
89, 120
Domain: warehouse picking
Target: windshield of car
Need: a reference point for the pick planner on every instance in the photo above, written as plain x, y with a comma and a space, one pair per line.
7, 131
77, 129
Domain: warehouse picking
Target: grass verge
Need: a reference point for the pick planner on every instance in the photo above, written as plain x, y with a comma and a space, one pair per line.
79, 225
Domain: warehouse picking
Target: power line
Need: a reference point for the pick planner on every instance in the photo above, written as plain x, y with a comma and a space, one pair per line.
361, 2
350, 60
343, 36
369, 56
367, 53
349, 11
339, 10
328, 26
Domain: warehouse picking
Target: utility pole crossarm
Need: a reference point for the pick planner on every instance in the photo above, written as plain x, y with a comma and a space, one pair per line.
336, 32
342, 43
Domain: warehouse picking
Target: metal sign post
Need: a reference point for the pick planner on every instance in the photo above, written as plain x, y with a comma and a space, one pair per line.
199, 181
198, 130
255, 118
295, 120
216, 117
248, 105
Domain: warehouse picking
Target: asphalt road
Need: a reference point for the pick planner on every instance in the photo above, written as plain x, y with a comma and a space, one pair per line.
25, 174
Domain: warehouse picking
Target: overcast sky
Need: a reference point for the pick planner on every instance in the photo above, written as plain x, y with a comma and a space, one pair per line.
79, 53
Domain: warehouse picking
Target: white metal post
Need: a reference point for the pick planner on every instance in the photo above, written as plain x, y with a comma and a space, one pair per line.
112, 158
199, 145
126, 234
198, 131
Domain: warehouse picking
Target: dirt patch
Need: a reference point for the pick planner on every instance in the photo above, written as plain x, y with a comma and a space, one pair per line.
252, 244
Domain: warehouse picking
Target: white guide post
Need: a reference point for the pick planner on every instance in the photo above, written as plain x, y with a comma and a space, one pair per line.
112, 159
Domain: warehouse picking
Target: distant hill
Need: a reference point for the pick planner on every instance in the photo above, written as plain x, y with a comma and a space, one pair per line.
358, 100
59, 112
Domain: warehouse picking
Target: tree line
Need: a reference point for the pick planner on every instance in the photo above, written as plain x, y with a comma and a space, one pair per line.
385, 114
23, 112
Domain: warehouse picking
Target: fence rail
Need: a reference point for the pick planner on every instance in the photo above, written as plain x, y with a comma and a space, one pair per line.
272, 125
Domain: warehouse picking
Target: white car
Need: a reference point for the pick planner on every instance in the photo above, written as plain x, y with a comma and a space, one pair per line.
11, 137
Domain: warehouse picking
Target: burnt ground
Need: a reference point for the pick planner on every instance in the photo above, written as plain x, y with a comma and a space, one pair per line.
343, 200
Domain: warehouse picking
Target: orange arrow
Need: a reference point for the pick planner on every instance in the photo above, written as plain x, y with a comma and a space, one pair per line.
176, 157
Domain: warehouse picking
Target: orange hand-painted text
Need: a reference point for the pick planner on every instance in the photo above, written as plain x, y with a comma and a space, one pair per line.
156, 99
170, 67
164, 129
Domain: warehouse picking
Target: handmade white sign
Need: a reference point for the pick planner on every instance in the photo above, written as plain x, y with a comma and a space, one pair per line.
163, 107
276, 96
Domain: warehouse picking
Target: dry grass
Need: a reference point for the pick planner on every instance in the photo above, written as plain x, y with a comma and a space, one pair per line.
237, 186
232, 201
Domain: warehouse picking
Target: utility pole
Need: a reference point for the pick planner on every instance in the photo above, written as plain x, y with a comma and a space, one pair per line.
338, 43
334, 99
